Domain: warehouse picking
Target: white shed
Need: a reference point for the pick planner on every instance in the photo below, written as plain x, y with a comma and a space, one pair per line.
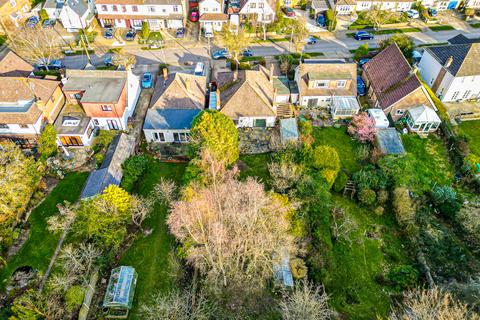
379, 117
422, 119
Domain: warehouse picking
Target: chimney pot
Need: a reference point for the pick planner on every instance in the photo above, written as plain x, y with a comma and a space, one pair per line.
218, 98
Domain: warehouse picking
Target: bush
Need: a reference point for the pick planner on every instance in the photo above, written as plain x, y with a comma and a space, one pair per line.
361, 52
403, 207
367, 196
330, 20
43, 15
445, 200
340, 181
99, 157
145, 30
103, 139
325, 159
403, 277
47, 144
133, 168
370, 177
299, 269
382, 196
74, 297
379, 211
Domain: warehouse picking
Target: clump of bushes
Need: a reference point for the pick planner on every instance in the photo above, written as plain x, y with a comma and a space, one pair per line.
326, 159
133, 168
403, 207
74, 297
340, 182
403, 277
446, 200
367, 196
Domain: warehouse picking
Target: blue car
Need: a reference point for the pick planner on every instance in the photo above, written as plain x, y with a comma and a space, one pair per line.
321, 20
312, 40
432, 12
130, 35
363, 35
363, 61
147, 80
221, 54
108, 61
247, 53
361, 89
108, 34
180, 33
52, 65
32, 22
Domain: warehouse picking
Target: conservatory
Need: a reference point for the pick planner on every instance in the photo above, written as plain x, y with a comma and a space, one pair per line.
422, 119
344, 107
120, 291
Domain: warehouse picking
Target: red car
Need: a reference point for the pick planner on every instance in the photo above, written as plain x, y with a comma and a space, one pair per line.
193, 3
194, 15
288, 12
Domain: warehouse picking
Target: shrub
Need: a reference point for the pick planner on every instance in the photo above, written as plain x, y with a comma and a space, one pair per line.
103, 139
362, 128
361, 52
382, 196
403, 277
340, 181
145, 30
99, 157
325, 158
74, 297
330, 20
404, 42
43, 15
445, 200
133, 168
370, 177
47, 144
367, 196
284, 174
403, 207
299, 268
379, 211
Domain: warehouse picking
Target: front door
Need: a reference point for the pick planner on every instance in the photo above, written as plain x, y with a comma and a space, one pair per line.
262, 123
112, 125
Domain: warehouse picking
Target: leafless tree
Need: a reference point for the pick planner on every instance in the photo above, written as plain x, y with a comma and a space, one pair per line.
284, 175
141, 208
305, 302
378, 17
342, 225
179, 306
36, 46
164, 191
431, 304
61, 221
123, 59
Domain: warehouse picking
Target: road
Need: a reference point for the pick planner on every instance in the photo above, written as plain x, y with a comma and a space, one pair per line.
337, 45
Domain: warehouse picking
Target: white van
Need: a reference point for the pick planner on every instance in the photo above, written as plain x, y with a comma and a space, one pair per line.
199, 69
208, 31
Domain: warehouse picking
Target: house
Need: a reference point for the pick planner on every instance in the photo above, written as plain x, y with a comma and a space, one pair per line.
247, 97
262, 10
453, 71
328, 84
392, 84
108, 97
11, 65
26, 105
422, 119
176, 101
73, 14
159, 14
474, 4
319, 6
14, 11
74, 128
389, 5
110, 172
343, 7
211, 13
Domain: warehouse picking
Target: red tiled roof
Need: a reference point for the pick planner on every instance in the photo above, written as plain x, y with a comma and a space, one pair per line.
214, 17
390, 76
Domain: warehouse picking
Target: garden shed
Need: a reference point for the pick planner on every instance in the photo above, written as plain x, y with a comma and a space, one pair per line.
120, 292
289, 130
422, 119
389, 141
344, 107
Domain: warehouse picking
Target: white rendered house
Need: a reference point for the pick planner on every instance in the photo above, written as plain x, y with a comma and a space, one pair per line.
73, 14
211, 14
263, 10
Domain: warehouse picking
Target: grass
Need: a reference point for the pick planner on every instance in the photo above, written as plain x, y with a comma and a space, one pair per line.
273, 40
155, 36
471, 129
2, 40
342, 142
256, 166
475, 25
41, 244
106, 68
349, 275
389, 31
151, 255
441, 28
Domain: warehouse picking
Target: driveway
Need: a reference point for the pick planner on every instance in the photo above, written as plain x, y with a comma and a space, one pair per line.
140, 113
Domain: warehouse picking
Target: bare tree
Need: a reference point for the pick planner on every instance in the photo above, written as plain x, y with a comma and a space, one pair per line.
298, 33
164, 191
123, 59
431, 304
284, 175
305, 302
231, 230
342, 225
177, 305
141, 208
36, 46
62, 221
235, 42
34, 305
378, 17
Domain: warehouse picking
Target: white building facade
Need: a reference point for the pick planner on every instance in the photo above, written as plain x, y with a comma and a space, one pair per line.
263, 9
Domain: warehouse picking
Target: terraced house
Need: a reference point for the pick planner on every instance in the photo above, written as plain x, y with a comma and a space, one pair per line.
159, 14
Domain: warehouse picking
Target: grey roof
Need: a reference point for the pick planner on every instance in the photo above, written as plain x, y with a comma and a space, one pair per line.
289, 130
53, 4
320, 5
69, 130
98, 85
110, 172
281, 84
80, 7
389, 141
461, 39
169, 119
465, 58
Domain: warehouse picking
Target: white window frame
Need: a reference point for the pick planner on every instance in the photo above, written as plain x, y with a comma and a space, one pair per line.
341, 83
320, 84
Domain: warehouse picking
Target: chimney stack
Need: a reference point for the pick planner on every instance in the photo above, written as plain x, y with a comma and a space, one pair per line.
165, 74
187, 84
218, 98
270, 77
448, 63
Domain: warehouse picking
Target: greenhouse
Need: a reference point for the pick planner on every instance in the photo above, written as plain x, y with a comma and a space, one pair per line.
120, 292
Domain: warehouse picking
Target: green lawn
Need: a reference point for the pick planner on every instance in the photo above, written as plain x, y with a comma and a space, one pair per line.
441, 28
151, 255
256, 166
342, 142
475, 25
389, 31
2, 40
349, 275
471, 129
41, 244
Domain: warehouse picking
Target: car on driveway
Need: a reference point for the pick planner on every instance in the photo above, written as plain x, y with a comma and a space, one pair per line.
361, 62
312, 40
180, 33
49, 23
108, 61
108, 33
288, 11
361, 88
147, 80
432, 12
194, 15
363, 35
247, 53
321, 20
413, 14
52, 65
32, 22
130, 35
221, 54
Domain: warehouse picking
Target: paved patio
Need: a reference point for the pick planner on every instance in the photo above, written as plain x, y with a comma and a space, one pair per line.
467, 110
259, 140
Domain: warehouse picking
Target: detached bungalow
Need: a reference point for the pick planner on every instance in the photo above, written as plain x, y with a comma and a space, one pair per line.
11, 65
392, 84
176, 100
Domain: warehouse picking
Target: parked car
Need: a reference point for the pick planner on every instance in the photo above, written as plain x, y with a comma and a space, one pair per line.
32, 22
108, 34
361, 62
413, 14
321, 20
311, 40
221, 54
208, 31
288, 11
194, 15
49, 23
247, 53
130, 35
52, 65
147, 80
361, 88
363, 35
108, 61
432, 12
180, 33
199, 69
193, 3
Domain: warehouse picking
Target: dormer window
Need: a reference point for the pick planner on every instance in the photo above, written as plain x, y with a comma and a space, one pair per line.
341, 83
3, 126
321, 84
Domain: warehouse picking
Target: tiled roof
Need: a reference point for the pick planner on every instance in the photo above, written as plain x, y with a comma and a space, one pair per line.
391, 76
466, 58
140, 2
173, 94
214, 17
461, 39
138, 16
11, 65
328, 71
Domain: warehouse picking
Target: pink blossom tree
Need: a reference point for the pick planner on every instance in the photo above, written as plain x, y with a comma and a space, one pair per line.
362, 128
